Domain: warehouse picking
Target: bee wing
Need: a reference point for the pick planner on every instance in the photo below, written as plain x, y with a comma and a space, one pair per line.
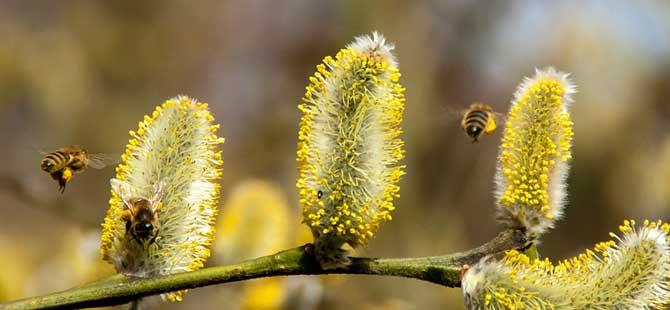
157, 194
500, 117
99, 160
40, 150
451, 115
123, 190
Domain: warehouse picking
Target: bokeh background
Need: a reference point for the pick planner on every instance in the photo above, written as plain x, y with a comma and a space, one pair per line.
85, 72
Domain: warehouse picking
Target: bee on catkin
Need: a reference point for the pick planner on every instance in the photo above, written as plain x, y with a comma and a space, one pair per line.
629, 273
165, 194
478, 119
63, 163
349, 147
140, 214
534, 154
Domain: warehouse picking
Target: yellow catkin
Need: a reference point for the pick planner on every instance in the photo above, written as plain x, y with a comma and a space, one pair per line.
257, 222
175, 146
263, 294
630, 272
534, 153
349, 146
16, 264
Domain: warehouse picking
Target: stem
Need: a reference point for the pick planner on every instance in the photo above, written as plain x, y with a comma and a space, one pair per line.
115, 290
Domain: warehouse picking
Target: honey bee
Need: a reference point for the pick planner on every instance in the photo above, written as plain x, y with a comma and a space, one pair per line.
140, 213
64, 162
479, 118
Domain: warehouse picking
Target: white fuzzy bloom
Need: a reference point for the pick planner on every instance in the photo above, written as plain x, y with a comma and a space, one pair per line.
349, 147
632, 272
170, 161
375, 44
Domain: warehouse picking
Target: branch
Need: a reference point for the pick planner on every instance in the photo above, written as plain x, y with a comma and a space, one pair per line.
118, 289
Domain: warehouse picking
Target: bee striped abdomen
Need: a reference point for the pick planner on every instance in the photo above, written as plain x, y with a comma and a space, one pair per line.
478, 119
55, 161
475, 122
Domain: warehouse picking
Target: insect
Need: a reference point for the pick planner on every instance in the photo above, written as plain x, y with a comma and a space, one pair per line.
479, 118
64, 162
140, 213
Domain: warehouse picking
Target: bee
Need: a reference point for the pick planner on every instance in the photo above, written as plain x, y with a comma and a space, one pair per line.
479, 118
64, 162
140, 213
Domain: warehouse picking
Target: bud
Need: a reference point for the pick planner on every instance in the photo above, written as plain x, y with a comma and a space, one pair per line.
632, 272
172, 163
534, 155
349, 146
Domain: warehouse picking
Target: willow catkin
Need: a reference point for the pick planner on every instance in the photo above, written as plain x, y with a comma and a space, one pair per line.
349, 146
632, 272
534, 154
257, 222
173, 150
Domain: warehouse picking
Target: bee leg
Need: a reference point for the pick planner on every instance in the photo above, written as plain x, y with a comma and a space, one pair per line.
128, 224
526, 246
61, 187
135, 237
154, 237
65, 176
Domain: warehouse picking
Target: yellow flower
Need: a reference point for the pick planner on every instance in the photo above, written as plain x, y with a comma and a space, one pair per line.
535, 151
263, 294
349, 146
257, 221
15, 269
171, 160
632, 272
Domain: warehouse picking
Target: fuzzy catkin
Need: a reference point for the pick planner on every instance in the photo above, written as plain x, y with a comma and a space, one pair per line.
258, 221
176, 147
534, 154
349, 146
632, 272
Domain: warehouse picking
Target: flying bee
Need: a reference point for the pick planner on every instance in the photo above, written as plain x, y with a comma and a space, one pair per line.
64, 162
140, 213
479, 118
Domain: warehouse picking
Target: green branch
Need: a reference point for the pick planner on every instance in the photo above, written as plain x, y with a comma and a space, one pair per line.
118, 289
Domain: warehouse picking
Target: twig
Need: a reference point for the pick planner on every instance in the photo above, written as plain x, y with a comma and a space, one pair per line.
443, 270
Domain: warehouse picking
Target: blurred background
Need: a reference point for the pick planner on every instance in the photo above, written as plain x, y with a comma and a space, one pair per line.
85, 72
